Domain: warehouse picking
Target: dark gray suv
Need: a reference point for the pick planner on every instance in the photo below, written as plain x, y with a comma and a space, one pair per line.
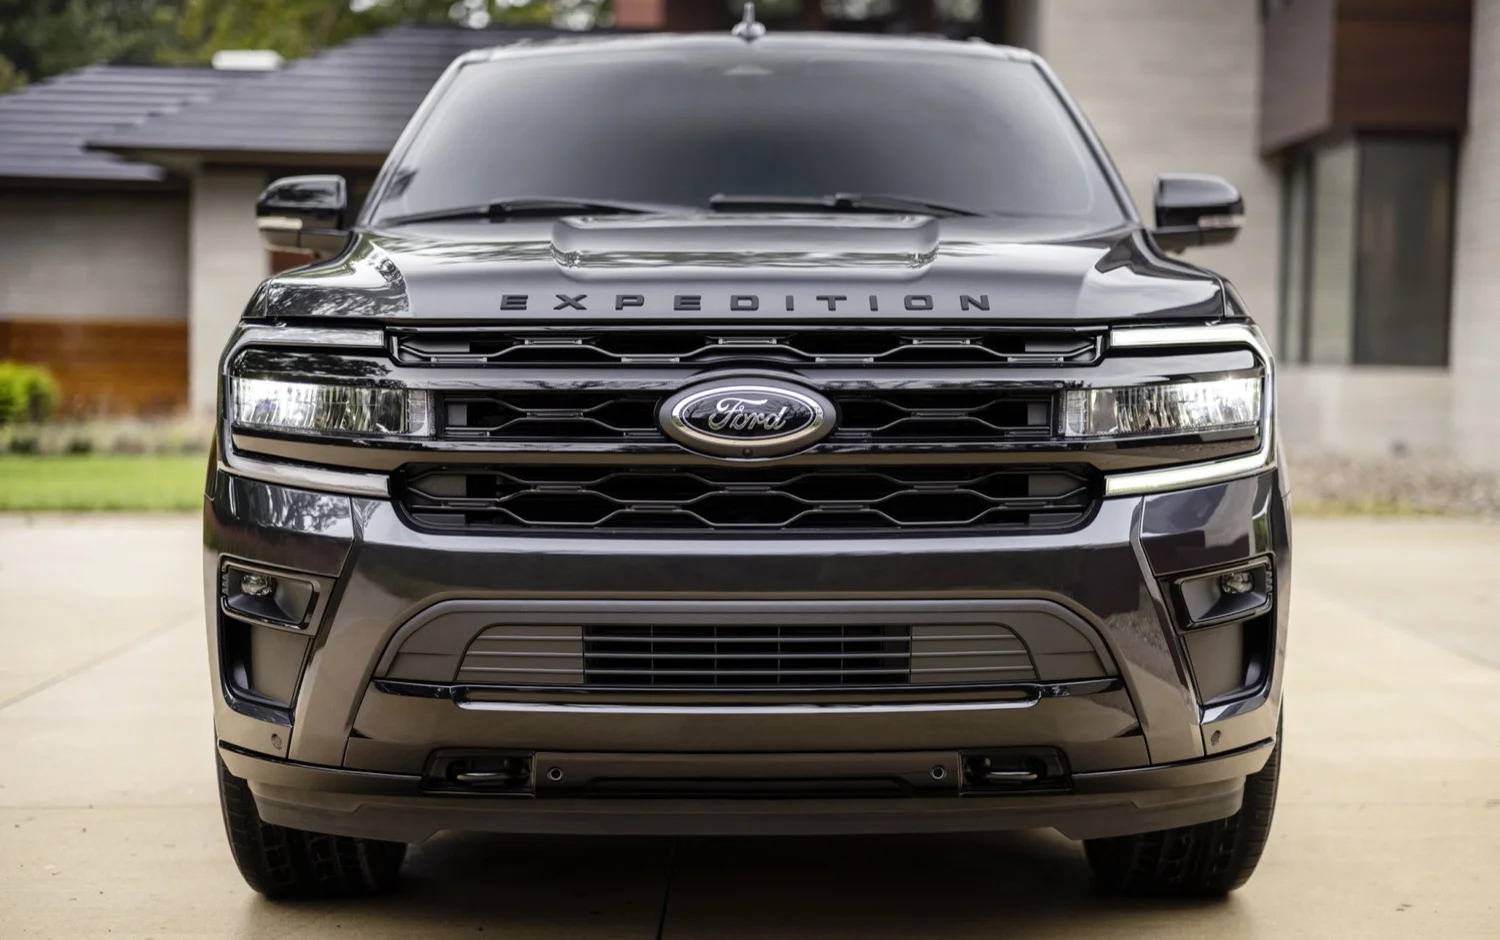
747, 434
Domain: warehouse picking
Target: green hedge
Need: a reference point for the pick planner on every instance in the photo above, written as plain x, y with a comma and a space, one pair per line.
27, 393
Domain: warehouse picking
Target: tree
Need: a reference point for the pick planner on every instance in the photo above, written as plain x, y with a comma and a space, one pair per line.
295, 28
39, 38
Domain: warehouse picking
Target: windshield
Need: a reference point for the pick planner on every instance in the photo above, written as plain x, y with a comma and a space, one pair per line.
680, 127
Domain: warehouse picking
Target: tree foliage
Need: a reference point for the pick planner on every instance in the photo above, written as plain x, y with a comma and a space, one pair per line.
40, 38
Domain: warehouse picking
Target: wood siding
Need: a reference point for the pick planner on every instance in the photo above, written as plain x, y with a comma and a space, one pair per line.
1336, 66
1296, 95
116, 367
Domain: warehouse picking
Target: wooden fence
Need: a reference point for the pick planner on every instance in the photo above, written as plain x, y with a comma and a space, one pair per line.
118, 367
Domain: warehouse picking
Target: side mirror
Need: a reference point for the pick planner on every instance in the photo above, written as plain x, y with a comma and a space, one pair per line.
1193, 210
304, 214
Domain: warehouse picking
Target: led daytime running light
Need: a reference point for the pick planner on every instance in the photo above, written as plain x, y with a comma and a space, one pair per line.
274, 405
1177, 408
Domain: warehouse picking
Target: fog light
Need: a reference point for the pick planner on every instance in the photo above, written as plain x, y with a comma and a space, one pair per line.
1237, 582
1215, 597
257, 585
277, 599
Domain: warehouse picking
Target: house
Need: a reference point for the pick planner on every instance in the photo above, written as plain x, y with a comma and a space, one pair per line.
128, 245
1365, 135
93, 247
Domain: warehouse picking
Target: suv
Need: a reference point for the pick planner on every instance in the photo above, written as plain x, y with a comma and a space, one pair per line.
747, 434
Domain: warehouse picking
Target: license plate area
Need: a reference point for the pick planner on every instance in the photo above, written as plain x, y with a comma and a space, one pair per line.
747, 776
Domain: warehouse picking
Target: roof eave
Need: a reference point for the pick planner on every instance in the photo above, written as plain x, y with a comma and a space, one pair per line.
184, 159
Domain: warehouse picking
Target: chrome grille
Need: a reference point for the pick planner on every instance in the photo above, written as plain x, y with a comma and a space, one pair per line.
914, 345
804, 498
895, 415
716, 656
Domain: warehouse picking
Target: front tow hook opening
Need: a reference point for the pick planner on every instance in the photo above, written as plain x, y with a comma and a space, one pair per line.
487, 772
1015, 770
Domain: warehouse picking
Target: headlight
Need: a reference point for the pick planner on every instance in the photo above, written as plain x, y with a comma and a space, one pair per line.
1178, 408
274, 405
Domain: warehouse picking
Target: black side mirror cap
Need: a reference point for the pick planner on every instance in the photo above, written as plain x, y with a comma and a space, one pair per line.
1194, 210
305, 215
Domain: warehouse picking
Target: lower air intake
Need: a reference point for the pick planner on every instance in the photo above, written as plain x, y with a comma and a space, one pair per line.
689, 656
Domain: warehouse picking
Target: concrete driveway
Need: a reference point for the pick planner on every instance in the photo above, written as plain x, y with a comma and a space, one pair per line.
1388, 825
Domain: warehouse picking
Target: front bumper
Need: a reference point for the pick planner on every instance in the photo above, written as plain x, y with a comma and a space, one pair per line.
394, 806
345, 750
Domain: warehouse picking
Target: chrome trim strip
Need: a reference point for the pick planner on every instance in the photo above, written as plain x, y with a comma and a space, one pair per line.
306, 478
1191, 475
1223, 334
269, 335
555, 708
1176, 478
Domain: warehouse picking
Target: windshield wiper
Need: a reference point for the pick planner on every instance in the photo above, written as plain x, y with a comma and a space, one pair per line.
532, 207
837, 202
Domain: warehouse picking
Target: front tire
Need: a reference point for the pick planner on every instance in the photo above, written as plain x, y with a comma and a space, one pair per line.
1206, 860
280, 862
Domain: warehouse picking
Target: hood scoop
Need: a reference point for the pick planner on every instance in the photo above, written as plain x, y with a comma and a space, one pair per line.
895, 246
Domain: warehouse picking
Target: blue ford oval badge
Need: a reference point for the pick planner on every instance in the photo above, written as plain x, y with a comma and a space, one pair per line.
747, 419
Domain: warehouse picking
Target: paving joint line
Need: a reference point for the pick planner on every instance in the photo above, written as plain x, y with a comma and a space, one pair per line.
85, 666
666, 894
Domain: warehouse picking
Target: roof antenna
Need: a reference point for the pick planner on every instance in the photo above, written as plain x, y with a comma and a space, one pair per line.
749, 28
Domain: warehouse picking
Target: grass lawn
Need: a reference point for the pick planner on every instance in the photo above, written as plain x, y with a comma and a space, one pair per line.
101, 482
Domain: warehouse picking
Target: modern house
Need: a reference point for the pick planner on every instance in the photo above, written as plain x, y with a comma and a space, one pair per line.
127, 195
1365, 135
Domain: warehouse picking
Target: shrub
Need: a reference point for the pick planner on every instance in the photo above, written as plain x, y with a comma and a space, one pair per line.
182, 435
27, 393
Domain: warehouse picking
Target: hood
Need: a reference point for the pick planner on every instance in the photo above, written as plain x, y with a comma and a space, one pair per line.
814, 267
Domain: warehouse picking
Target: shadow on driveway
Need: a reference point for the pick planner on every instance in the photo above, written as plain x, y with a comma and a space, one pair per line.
1030, 884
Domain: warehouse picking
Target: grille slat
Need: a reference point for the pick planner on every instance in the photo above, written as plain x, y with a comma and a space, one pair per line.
476, 498
896, 415
769, 655
750, 656
644, 345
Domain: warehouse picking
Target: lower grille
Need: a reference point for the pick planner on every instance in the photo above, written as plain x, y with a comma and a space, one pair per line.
776, 656
581, 496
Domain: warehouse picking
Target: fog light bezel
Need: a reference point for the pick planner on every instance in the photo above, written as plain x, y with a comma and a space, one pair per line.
270, 610
1257, 601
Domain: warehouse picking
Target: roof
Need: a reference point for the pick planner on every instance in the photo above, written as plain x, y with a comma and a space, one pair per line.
43, 127
349, 100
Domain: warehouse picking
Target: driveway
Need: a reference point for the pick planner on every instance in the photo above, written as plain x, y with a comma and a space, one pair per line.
1388, 824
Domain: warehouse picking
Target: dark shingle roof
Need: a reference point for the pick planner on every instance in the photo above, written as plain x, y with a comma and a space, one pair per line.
348, 100
43, 127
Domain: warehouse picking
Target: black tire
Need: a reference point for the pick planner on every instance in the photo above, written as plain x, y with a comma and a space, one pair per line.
1206, 860
292, 863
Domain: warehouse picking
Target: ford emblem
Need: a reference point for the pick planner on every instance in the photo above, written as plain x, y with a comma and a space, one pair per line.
747, 420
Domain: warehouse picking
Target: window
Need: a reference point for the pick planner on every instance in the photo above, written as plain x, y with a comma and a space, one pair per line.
1367, 241
638, 125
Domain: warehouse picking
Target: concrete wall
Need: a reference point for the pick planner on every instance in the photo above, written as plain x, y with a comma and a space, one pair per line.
79, 254
1475, 351
226, 264
1374, 411
1173, 86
